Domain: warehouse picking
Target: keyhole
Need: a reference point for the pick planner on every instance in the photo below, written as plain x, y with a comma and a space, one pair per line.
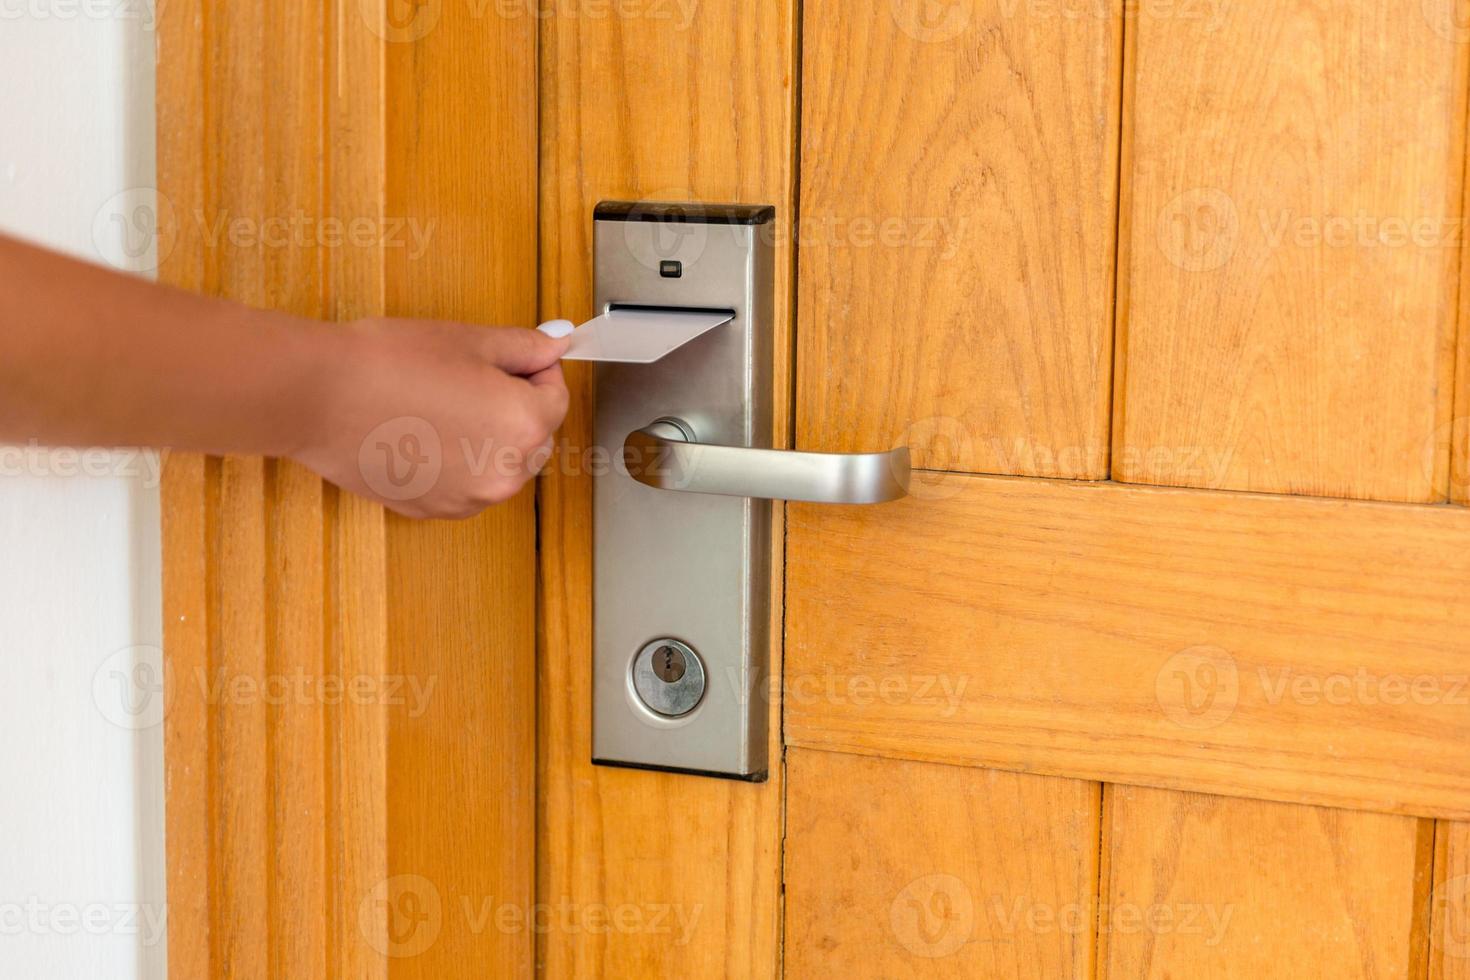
668, 664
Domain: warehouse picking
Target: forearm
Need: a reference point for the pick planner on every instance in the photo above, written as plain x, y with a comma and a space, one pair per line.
90, 357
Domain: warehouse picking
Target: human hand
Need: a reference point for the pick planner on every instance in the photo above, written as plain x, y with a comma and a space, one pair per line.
436, 419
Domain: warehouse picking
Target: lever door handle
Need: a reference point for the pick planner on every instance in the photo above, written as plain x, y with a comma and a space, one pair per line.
665, 454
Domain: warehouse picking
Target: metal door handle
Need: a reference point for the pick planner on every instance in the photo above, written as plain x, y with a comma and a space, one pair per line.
665, 454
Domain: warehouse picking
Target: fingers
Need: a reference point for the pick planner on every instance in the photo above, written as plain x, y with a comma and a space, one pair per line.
540, 456
548, 376
523, 352
549, 395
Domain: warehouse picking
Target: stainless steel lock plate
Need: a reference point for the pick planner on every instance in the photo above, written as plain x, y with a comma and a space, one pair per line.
694, 567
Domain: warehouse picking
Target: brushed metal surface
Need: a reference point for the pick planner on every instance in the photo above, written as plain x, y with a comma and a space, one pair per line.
669, 455
691, 566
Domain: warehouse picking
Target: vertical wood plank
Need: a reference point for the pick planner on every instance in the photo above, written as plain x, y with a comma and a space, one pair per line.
461, 797
958, 217
1294, 192
296, 750
1450, 905
187, 738
461, 144
182, 55
240, 790
652, 104
1212, 886
1460, 430
898, 868
239, 764
357, 560
1459, 468
292, 54
357, 762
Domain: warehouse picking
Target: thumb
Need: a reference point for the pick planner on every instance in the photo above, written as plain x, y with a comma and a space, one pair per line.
523, 352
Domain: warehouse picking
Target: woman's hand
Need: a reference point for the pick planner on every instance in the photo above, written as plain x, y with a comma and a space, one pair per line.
433, 419
437, 419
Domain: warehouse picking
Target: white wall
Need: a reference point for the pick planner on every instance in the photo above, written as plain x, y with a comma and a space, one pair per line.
81, 786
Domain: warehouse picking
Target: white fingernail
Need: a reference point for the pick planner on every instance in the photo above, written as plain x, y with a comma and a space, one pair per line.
557, 329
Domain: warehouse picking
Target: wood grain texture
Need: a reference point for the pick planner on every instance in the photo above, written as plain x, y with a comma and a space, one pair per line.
294, 577
1459, 469
268, 765
1286, 324
910, 869
240, 779
1284, 648
1459, 429
356, 818
1449, 955
1293, 195
656, 108
461, 800
356, 621
957, 233
1207, 886
187, 773
310, 647
461, 164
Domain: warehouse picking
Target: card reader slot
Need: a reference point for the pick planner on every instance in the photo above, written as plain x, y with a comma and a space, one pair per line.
645, 308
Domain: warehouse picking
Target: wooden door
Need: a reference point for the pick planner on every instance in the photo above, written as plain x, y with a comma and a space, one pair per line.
1164, 669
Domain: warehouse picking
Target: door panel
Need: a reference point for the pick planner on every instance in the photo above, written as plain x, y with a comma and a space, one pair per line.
904, 869
1254, 645
938, 286
1207, 886
1293, 183
900, 869
669, 102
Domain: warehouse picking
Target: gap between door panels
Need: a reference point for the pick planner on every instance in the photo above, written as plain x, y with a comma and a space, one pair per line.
792, 359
